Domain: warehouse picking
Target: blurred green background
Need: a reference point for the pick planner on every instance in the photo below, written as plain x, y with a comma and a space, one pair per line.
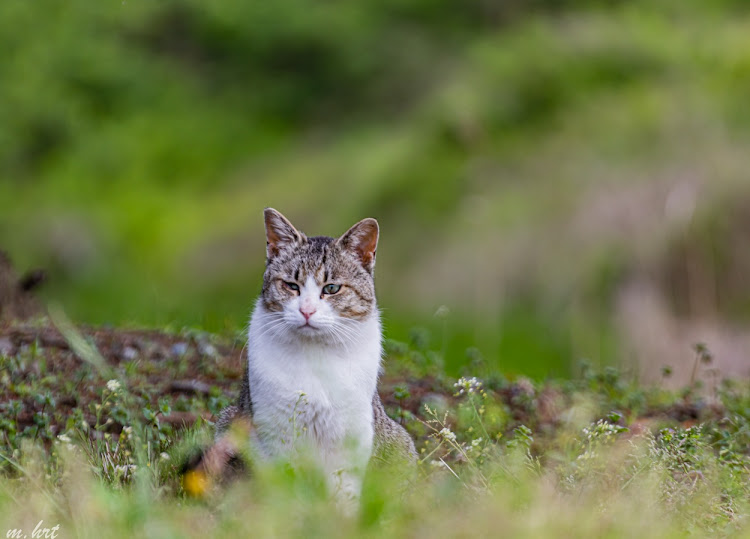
554, 179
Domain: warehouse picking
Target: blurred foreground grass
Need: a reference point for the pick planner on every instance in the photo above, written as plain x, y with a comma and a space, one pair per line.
525, 160
597, 455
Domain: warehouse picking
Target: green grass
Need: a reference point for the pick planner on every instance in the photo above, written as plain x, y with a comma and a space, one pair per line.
597, 455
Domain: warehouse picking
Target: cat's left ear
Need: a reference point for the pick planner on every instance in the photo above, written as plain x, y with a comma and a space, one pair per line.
362, 240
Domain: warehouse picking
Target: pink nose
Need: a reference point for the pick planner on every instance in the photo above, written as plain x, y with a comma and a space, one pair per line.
307, 313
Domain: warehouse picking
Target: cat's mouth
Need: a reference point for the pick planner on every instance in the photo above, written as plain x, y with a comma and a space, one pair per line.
308, 327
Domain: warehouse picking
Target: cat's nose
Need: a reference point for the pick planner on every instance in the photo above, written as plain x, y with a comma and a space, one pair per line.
307, 312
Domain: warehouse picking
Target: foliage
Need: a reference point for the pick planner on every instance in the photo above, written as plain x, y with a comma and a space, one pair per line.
537, 459
140, 140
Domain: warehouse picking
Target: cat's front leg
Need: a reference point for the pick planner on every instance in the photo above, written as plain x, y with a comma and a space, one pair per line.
346, 486
345, 471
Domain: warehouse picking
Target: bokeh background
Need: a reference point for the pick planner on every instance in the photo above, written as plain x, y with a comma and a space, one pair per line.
555, 180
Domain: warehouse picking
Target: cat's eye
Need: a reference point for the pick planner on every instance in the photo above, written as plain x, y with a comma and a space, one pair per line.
292, 286
331, 288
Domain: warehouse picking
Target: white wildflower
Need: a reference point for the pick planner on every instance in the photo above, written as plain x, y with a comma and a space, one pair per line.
113, 386
448, 434
442, 312
467, 385
164, 456
64, 438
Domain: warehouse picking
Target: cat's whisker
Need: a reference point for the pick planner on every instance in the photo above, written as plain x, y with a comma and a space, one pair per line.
279, 329
343, 338
346, 336
272, 328
272, 325
330, 329
348, 325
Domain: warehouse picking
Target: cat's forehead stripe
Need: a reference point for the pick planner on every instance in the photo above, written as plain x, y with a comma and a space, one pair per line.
312, 260
320, 275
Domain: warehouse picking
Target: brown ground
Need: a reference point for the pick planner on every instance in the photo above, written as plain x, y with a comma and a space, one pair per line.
46, 376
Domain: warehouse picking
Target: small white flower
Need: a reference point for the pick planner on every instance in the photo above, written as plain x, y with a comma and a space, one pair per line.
467, 385
475, 443
448, 434
113, 386
64, 438
437, 463
164, 456
442, 312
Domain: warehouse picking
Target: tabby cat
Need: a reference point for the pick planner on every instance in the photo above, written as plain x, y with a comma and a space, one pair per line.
314, 354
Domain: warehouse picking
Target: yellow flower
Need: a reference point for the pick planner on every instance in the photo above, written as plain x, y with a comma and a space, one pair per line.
196, 483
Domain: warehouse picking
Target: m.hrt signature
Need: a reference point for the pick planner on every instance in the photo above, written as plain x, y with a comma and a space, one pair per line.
39, 532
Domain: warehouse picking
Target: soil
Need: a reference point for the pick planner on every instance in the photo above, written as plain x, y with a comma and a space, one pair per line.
47, 378
154, 365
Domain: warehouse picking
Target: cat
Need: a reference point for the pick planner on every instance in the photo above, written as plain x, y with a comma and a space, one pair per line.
314, 356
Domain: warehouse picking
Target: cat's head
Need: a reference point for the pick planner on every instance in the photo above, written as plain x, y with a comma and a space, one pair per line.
319, 287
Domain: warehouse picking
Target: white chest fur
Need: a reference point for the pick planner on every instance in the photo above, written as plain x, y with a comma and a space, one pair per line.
315, 395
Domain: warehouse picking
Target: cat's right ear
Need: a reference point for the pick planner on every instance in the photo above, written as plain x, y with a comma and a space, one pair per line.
280, 234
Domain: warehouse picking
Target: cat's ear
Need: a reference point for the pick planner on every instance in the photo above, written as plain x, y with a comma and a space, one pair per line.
362, 240
280, 233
